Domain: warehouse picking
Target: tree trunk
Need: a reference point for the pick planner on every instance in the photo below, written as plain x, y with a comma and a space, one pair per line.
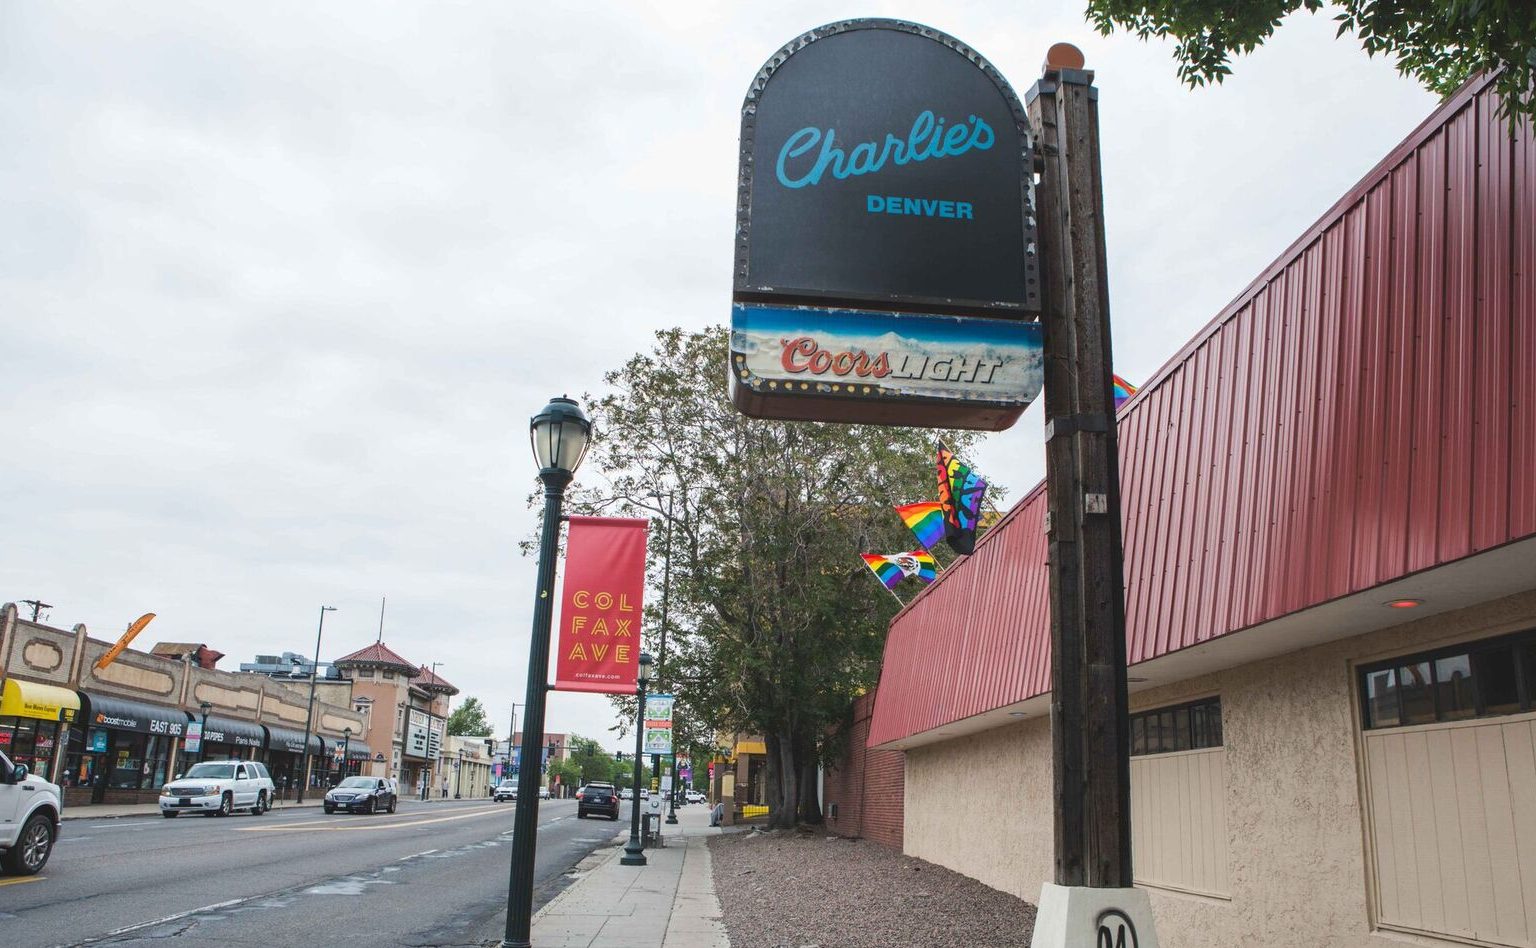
788, 786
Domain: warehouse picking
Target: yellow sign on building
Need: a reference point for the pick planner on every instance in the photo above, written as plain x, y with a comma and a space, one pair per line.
28, 699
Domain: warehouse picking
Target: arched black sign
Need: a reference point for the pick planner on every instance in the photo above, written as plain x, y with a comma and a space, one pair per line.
885, 269
881, 162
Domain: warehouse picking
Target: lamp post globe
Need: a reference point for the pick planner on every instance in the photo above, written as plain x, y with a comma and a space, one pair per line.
560, 435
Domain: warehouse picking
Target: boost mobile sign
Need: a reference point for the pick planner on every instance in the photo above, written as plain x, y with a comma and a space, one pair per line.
885, 246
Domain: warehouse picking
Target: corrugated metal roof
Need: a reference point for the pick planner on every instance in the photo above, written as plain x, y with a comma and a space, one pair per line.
1362, 411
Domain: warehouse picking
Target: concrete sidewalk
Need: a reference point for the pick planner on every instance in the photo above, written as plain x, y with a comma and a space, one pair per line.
668, 903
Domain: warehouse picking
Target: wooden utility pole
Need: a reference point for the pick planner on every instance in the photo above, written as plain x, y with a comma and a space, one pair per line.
1089, 725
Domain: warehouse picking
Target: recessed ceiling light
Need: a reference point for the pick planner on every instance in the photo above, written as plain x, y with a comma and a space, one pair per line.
1017, 714
1135, 680
1403, 603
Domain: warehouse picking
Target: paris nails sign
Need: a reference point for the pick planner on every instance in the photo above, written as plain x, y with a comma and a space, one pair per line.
885, 258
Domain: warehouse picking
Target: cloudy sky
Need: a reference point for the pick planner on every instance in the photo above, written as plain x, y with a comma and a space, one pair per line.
281, 285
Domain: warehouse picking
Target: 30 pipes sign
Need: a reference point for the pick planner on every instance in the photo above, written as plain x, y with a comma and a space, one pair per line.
885, 258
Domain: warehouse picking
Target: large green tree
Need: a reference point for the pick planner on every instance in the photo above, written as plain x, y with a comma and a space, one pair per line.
469, 719
773, 622
1441, 43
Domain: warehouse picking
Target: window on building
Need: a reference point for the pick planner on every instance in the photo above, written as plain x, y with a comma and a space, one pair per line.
1182, 727
389, 674
363, 708
365, 673
1475, 680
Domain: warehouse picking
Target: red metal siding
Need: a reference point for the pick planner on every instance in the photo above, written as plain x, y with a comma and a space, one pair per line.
1363, 410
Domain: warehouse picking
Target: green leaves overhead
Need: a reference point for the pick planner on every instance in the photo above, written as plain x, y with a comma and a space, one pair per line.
1441, 43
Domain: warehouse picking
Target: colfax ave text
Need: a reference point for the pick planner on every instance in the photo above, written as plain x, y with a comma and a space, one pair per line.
604, 621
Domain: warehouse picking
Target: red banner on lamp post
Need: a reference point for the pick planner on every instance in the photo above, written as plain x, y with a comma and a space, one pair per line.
600, 605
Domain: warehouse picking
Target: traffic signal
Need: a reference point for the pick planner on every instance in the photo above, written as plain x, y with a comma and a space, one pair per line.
619, 756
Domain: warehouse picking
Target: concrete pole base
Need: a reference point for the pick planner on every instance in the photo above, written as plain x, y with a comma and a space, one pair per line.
1080, 917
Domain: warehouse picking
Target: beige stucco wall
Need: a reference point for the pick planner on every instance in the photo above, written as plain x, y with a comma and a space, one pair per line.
981, 804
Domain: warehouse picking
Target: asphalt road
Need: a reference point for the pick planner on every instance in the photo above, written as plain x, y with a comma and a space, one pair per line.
430, 874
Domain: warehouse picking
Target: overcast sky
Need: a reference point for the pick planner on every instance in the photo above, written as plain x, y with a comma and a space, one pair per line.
281, 284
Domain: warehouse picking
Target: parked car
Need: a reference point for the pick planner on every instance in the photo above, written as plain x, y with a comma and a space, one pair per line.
506, 790
362, 795
219, 788
29, 818
597, 798
543, 793
695, 796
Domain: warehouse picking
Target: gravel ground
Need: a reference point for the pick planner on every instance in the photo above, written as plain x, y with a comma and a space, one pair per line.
801, 890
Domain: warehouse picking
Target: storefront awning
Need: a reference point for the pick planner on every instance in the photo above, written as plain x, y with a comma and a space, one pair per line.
749, 747
220, 730
29, 699
125, 714
289, 741
359, 753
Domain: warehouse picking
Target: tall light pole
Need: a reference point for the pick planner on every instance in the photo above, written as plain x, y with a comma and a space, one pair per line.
560, 435
634, 850
309, 715
427, 780
346, 751
458, 777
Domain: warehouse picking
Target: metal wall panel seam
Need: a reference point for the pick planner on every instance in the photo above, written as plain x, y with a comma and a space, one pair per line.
1240, 396
1149, 469
1129, 430
1168, 504
1320, 538
1197, 623
1522, 459
1194, 553
1373, 393
1187, 481
1253, 422
1428, 318
1302, 563
1461, 316
1278, 406
1351, 400
1490, 417
1391, 555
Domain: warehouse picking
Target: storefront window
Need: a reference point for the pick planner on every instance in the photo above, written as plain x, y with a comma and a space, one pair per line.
1192, 726
29, 741
1497, 676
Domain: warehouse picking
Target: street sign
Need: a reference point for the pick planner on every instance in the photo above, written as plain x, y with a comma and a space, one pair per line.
886, 265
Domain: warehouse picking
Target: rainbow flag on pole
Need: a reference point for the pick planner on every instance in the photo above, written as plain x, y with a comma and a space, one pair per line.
892, 568
1123, 391
925, 520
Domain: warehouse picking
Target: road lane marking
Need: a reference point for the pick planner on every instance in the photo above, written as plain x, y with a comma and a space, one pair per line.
22, 880
169, 918
312, 828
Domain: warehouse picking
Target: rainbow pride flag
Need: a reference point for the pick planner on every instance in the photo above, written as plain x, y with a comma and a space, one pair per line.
1123, 391
892, 568
925, 520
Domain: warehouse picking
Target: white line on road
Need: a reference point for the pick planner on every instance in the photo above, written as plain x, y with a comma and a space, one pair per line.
169, 918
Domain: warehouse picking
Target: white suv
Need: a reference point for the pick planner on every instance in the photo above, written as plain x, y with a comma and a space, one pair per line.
219, 788
29, 818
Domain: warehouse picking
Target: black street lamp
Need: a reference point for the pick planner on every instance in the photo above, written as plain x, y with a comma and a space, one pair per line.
634, 850
560, 435
458, 777
346, 751
202, 740
309, 715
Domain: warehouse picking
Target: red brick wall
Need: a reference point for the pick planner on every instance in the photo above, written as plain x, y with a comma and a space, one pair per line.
866, 786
